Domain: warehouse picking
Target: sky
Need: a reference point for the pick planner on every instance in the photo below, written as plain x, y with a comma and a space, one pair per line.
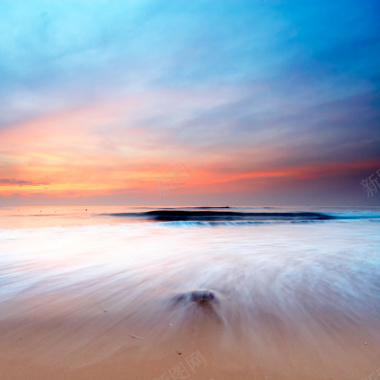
211, 102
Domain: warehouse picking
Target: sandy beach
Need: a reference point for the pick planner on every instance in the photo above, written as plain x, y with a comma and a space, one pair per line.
175, 301
107, 345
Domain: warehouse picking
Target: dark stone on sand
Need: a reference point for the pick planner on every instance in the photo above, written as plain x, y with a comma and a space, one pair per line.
201, 297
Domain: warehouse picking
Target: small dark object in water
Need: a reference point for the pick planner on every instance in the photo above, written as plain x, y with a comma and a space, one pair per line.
201, 297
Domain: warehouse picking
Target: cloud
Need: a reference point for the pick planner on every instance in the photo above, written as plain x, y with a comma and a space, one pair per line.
8, 182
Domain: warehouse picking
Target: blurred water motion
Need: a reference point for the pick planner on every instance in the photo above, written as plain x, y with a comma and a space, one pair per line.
284, 290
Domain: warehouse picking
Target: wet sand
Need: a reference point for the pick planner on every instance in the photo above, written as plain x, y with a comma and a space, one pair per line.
166, 339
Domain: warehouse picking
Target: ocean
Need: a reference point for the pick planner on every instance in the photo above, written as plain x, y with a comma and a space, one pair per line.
267, 292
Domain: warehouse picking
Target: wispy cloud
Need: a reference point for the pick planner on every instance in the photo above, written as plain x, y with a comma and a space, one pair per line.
8, 182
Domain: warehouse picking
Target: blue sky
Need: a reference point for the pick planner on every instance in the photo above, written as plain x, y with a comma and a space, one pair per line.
255, 86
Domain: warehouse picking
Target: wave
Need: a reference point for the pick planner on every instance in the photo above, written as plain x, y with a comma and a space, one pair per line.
213, 216
175, 215
215, 208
